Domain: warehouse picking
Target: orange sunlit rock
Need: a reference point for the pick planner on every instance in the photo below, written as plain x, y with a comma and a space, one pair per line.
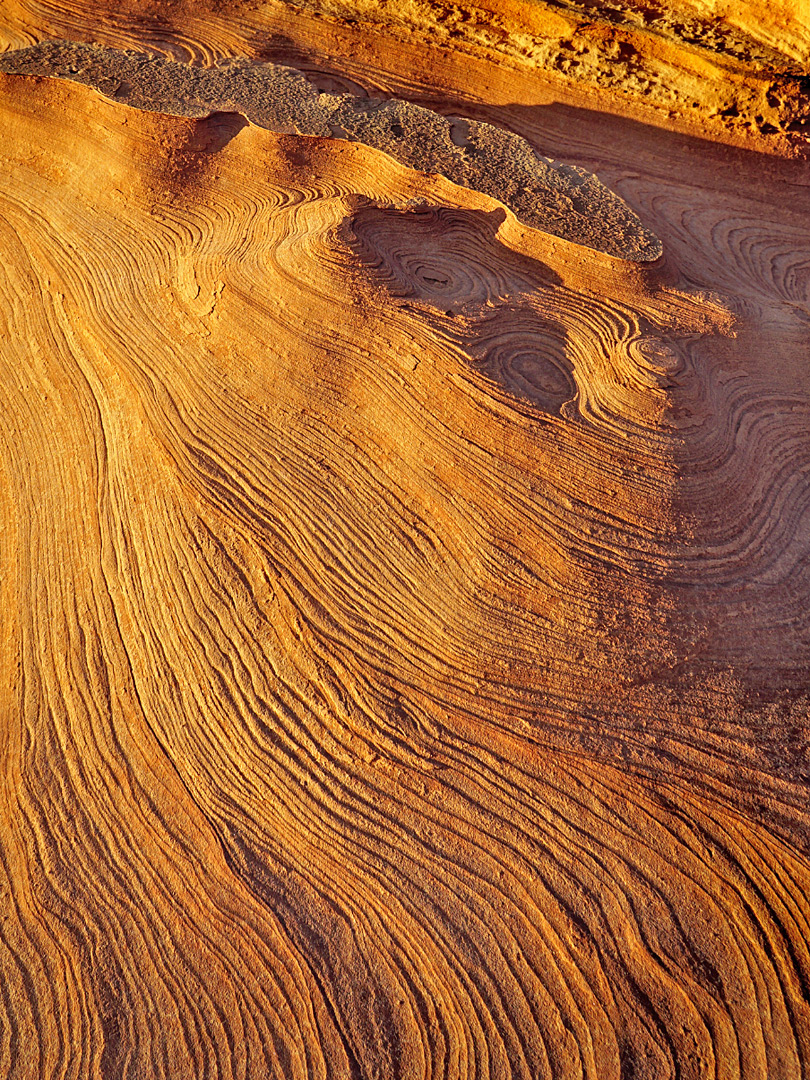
406, 610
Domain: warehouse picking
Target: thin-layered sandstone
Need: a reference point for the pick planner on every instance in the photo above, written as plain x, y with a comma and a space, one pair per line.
406, 610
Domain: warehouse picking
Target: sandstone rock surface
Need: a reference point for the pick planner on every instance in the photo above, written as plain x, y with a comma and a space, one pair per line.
406, 611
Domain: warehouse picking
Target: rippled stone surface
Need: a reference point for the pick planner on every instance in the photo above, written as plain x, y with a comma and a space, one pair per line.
558, 198
406, 612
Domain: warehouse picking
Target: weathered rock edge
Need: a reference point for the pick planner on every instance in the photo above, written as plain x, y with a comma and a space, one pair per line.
559, 199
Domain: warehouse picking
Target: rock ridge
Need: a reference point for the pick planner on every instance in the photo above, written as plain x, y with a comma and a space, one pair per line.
551, 196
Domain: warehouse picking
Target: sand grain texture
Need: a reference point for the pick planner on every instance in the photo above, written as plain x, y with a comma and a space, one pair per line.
552, 196
406, 618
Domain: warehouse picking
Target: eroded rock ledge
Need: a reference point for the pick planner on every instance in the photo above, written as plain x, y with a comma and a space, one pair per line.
738, 70
560, 199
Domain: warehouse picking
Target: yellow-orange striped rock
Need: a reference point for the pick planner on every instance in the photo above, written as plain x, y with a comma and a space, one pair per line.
406, 613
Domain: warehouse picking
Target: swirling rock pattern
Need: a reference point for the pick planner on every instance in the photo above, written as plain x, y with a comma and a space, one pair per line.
405, 615
725, 70
436, 255
560, 199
